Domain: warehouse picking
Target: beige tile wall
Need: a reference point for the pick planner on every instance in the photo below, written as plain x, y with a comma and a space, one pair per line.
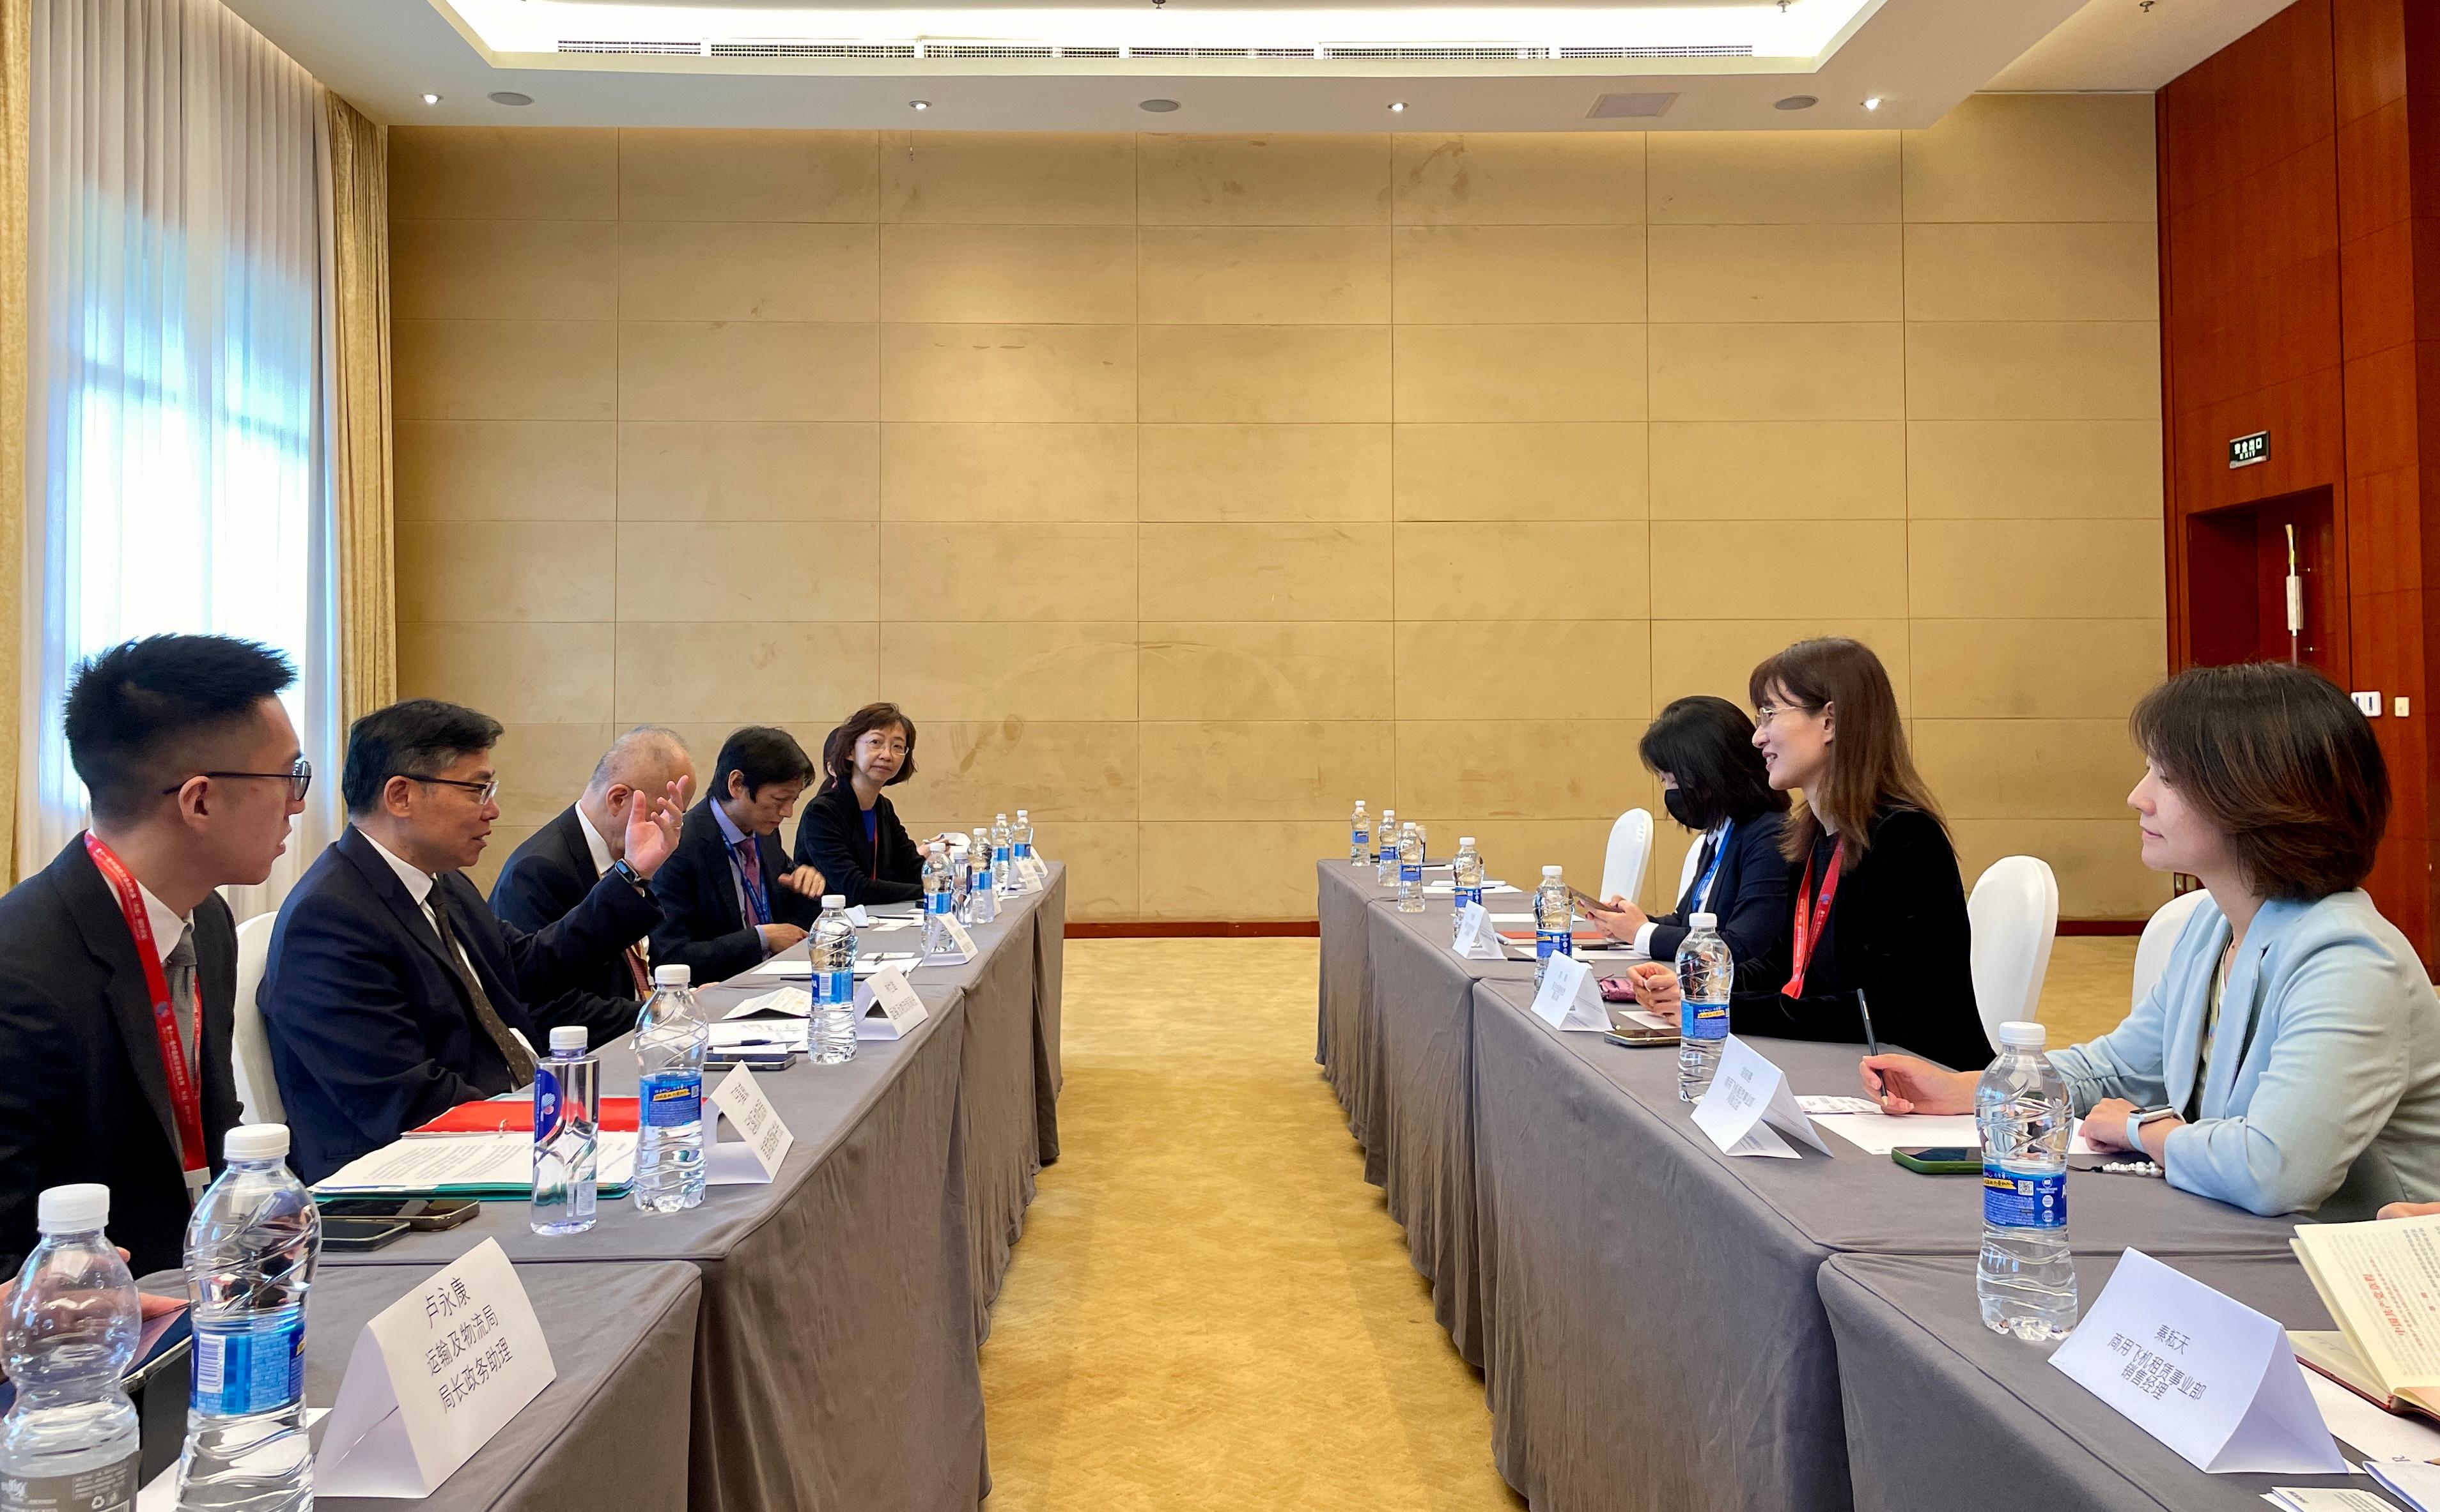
1187, 489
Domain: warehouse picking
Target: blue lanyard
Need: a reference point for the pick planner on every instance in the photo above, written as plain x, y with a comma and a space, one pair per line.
1700, 900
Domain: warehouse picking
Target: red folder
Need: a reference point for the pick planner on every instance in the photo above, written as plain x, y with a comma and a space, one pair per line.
618, 1117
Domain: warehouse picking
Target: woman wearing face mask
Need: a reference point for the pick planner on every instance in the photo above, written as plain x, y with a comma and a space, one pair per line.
1879, 923
2288, 1059
1713, 781
850, 832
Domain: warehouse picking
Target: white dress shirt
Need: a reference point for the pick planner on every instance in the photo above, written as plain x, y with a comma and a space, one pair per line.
595, 846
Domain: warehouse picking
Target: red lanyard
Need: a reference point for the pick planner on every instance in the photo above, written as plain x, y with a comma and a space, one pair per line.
1808, 931
184, 1099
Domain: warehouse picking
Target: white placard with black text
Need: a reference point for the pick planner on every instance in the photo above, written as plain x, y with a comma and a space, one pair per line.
1568, 997
755, 1158
1748, 1098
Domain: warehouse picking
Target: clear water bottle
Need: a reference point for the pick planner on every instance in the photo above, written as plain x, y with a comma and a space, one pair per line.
983, 904
1554, 921
1706, 975
1465, 877
70, 1440
2025, 1279
831, 1031
670, 1038
567, 1134
1410, 870
1020, 839
1385, 839
1003, 856
938, 903
1359, 836
252, 1247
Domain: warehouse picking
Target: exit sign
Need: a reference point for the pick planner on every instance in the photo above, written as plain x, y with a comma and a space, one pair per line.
2247, 450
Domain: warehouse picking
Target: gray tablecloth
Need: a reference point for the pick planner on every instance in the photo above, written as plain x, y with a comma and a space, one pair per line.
1942, 1413
1344, 895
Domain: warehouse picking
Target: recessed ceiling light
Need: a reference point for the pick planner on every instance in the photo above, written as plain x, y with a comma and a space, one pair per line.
1159, 107
1396, 106
1872, 103
432, 99
510, 97
919, 104
1795, 103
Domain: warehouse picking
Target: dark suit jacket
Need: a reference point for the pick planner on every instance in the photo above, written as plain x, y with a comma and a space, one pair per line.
372, 1031
701, 928
544, 881
830, 839
86, 1097
1751, 895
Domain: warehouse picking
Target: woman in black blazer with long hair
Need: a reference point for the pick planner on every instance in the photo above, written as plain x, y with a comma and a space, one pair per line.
850, 832
1713, 782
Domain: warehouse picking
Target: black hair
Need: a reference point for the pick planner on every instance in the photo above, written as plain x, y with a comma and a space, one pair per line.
761, 756
1706, 744
135, 712
839, 747
413, 737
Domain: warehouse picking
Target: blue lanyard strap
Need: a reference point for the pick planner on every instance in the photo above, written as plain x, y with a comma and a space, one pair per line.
1700, 900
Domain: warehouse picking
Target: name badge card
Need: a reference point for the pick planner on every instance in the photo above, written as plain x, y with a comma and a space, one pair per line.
1475, 938
857, 916
1035, 871
958, 938
1748, 1098
1563, 1001
767, 1139
432, 1378
900, 1009
2201, 1372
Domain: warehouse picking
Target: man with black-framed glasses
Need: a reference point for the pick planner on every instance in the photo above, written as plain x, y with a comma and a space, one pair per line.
393, 993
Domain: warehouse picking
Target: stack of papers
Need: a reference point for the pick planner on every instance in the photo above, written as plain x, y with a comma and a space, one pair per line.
801, 969
1864, 1126
497, 1166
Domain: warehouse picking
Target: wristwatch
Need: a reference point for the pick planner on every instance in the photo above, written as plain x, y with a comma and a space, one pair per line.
628, 874
2137, 1119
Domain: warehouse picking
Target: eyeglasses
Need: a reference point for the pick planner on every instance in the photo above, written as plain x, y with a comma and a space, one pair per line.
298, 778
483, 792
1764, 713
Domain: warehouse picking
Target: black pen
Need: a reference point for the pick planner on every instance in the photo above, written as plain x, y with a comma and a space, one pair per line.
1872, 1042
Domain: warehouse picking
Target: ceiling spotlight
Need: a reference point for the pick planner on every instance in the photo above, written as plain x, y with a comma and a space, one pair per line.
432, 99
510, 97
919, 104
1159, 107
1872, 103
1397, 107
1795, 103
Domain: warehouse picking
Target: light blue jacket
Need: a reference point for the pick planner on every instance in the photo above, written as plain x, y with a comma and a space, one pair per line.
2324, 1092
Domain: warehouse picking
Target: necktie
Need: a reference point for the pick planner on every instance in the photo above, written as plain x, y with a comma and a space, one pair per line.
179, 966
635, 969
1702, 864
520, 1059
749, 867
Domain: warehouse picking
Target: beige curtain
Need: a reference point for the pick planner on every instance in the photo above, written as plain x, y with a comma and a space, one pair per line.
360, 422
17, 113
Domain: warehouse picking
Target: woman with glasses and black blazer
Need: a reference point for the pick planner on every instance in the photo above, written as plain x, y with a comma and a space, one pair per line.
850, 832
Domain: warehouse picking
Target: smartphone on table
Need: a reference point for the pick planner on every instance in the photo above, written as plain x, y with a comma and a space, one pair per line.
1941, 1160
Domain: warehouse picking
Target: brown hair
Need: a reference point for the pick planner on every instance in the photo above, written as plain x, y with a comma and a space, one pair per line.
2281, 763
839, 747
1870, 767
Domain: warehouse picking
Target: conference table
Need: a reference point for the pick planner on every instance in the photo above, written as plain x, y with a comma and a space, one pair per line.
835, 1364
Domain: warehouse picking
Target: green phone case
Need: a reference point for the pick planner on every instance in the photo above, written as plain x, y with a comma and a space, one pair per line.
1937, 1167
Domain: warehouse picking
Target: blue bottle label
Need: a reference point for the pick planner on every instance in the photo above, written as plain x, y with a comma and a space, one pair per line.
999, 855
2023, 1201
1468, 895
237, 1375
1549, 942
1703, 1020
834, 987
545, 1102
1025, 851
673, 1099
1410, 871
938, 902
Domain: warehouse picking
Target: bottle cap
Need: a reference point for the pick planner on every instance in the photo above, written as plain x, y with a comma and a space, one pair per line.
1002, 818
1020, 814
74, 1209
1407, 828
672, 976
567, 1036
1704, 920
255, 1141
1548, 872
2018, 1033
837, 901
1465, 842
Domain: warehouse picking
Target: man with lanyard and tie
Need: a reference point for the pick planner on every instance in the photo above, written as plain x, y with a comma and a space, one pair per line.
118, 960
728, 898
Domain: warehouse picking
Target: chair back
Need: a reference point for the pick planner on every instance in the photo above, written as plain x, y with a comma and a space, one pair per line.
1685, 874
2014, 910
1630, 853
258, 1091
2161, 933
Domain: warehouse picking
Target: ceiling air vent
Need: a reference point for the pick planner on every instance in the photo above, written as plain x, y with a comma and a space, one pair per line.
813, 49
1505, 51
987, 50
1623, 107
1740, 49
653, 49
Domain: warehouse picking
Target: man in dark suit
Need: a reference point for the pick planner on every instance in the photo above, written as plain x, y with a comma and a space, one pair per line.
393, 993
559, 865
118, 961
728, 896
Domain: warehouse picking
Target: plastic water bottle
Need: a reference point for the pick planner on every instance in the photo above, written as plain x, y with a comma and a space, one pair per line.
1554, 919
670, 1038
567, 1134
1384, 838
251, 1250
1410, 870
70, 1441
1465, 877
1003, 857
2025, 1279
831, 1031
1360, 837
1706, 975
1020, 839
983, 904
938, 903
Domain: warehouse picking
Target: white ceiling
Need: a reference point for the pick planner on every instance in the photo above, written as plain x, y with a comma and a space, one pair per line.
1920, 56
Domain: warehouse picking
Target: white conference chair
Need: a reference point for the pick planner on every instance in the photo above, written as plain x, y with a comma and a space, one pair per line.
2014, 912
1630, 854
258, 1091
1686, 873
2161, 933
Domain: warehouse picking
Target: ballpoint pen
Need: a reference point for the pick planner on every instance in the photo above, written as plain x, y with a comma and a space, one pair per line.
1872, 1042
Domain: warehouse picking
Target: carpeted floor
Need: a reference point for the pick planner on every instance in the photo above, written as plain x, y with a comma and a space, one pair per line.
1210, 1311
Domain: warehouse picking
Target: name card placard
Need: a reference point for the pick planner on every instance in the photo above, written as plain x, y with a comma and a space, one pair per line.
1565, 998
1475, 938
1748, 1100
900, 1010
766, 1141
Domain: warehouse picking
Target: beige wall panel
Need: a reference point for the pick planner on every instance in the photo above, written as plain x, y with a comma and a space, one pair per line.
1268, 180
1520, 768
1515, 851
1773, 178
742, 674
1784, 470
2100, 270
504, 270
1518, 178
1457, 668
745, 370
1204, 870
1102, 866
2034, 370
746, 573
1266, 572
503, 842
1053, 275
1786, 569
2098, 862
1248, 769
542, 768
499, 173
2032, 569
506, 470
2034, 470
1229, 473
2035, 157
751, 469
2028, 769
1265, 374
747, 176
1008, 470
487, 571
1264, 275
1058, 769
1011, 178
550, 673
1545, 470
1520, 373
1008, 373
1776, 273
1040, 571
1010, 671
1489, 574
681, 270
2035, 669
505, 369
1519, 273
1330, 669
1717, 656
1826, 371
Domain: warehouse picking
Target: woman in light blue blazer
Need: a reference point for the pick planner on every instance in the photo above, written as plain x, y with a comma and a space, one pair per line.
2288, 1059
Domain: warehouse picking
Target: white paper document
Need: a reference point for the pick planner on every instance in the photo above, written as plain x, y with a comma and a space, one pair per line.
765, 1140
1748, 1100
739, 1034
2370, 1432
1877, 1133
1568, 997
1449, 889
2324, 1498
792, 1002
2201, 1372
433, 1162
2414, 1481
